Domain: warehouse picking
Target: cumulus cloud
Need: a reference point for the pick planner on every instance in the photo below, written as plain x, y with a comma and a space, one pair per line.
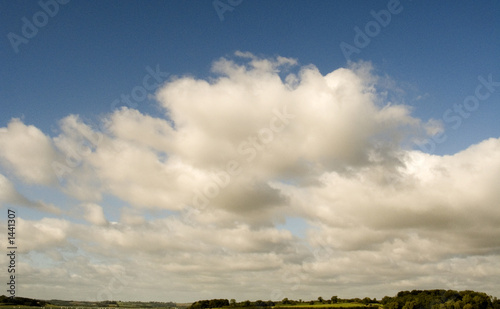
333, 121
450, 200
27, 152
205, 188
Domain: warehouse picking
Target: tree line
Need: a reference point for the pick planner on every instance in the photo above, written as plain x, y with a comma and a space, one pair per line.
221, 303
441, 299
416, 299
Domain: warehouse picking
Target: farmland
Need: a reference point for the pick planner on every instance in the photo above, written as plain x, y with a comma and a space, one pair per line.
326, 306
416, 299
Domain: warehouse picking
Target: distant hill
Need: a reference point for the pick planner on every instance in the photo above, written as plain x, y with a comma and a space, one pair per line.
23, 301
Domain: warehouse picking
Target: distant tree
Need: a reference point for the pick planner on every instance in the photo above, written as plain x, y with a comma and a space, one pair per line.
213, 303
232, 302
260, 303
320, 299
386, 300
246, 303
459, 304
392, 305
367, 300
409, 305
496, 303
467, 299
334, 299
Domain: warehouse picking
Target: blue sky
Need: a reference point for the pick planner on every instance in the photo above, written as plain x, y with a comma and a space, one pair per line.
408, 83
90, 53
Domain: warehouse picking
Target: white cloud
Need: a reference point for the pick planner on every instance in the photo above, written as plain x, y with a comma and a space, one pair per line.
445, 207
27, 152
94, 214
42, 235
199, 192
